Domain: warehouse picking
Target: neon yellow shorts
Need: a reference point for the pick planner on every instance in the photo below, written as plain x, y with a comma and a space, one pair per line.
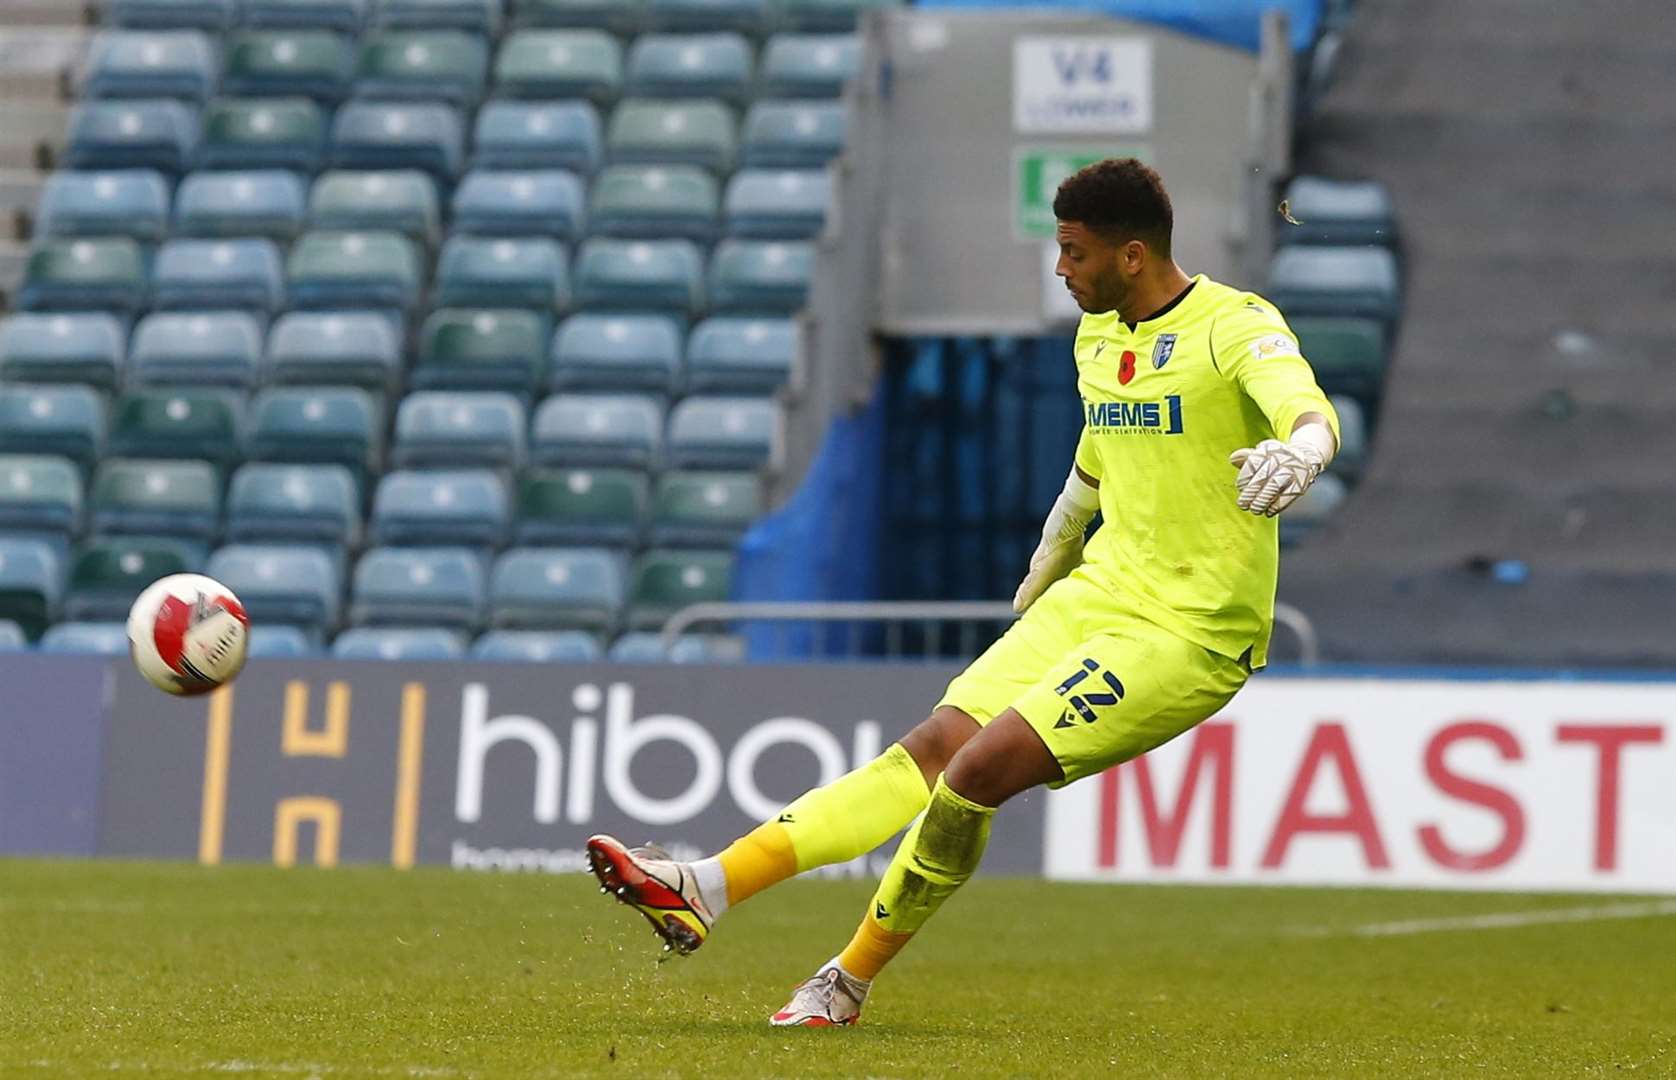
1096, 681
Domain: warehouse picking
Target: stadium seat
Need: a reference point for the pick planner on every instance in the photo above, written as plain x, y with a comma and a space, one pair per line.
108, 572
594, 351
552, 64
1353, 438
269, 642
236, 273
551, 588
317, 425
286, 584
828, 15
641, 275
467, 507
103, 274
809, 65
395, 200
530, 272
702, 133
419, 586
1314, 506
83, 347
481, 17
346, 16
204, 348
151, 64
177, 499
267, 203
178, 422
624, 17
398, 643
760, 276
603, 507
653, 201
127, 202
743, 16
318, 504
31, 584
793, 134
211, 16
355, 270
597, 429
39, 493
12, 639
542, 202
1348, 354
95, 638
689, 65
426, 65
131, 135
723, 433
67, 421
785, 204
538, 646
265, 133
437, 428
1356, 281
734, 355
538, 135
483, 349
405, 135
334, 348
1343, 212
665, 581
646, 647
704, 509
315, 64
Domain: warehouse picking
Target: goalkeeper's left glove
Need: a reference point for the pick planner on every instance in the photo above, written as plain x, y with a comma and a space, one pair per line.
1273, 473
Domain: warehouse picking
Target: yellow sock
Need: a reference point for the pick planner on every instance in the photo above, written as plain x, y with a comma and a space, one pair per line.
757, 860
871, 949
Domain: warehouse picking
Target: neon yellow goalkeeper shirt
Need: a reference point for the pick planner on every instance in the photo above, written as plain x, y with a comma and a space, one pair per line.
1164, 404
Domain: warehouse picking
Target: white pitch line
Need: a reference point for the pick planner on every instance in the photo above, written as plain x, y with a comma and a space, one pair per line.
1498, 920
298, 1068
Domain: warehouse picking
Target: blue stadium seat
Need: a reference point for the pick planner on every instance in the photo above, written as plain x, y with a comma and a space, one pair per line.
787, 204
318, 504
743, 16
604, 507
419, 586
12, 640
1359, 281
263, 133
594, 351
96, 638
624, 17
476, 16
538, 646
317, 425
760, 276
267, 203
735, 355
286, 584
106, 274
808, 65
108, 572
83, 347
40, 494
555, 64
557, 588
646, 647
825, 16
355, 270
723, 433
538, 135
68, 421
528, 272
394, 200
346, 16
152, 64
268, 642
641, 275
423, 65
153, 134
178, 422
597, 429
467, 507
702, 132
127, 202
398, 643
436, 428
31, 584
334, 348
237, 273
794, 134
178, 499
400, 135
483, 349
203, 348
656, 201
544, 202
690, 65
315, 64
212, 16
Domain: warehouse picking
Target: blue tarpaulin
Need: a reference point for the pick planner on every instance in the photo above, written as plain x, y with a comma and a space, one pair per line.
1231, 22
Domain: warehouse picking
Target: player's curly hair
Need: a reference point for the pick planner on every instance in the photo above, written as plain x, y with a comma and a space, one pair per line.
1121, 198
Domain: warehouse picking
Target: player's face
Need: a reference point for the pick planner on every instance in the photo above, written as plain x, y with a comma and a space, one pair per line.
1092, 268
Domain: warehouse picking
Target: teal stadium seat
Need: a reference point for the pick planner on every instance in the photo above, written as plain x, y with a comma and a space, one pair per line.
689, 65
266, 202
452, 507
85, 638
263, 133
12, 639
102, 274
399, 643
760, 276
809, 65
537, 202
780, 204
425, 65
1343, 212
555, 64
178, 422
731, 354
793, 134
641, 275
419, 586
538, 135
723, 433
663, 581
123, 202
200, 348
646, 647
1353, 438
31, 584
828, 15
211, 16
81, 347
267, 642
704, 509
334, 348
695, 132
1348, 354
355, 270
440, 428
400, 135
528, 272
473, 16
40, 494
66, 421
602, 351
605, 507
553, 588
231, 273
1314, 507
483, 349
537, 646
1353, 281
152, 64
152, 134
744, 16
290, 585
316, 504
345, 16
655, 201
315, 64
107, 573
394, 200
623, 17
624, 430
317, 425
176, 499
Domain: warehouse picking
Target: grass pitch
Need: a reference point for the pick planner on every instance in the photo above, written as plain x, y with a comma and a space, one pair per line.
166, 970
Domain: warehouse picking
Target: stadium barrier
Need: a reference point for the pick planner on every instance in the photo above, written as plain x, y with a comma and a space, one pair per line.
1424, 781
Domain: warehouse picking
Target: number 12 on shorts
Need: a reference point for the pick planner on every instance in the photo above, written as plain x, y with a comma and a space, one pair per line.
1085, 702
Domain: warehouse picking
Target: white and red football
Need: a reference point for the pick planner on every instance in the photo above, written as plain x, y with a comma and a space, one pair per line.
188, 634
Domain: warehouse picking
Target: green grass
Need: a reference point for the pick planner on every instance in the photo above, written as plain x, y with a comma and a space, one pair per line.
165, 970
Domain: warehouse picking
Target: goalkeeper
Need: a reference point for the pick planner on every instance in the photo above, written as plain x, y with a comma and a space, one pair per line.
1201, 422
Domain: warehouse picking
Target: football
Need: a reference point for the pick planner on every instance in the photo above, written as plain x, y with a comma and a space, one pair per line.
188, 634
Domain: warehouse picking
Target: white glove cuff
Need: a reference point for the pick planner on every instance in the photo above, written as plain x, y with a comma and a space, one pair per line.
1081, 494
1072, 511
1318, 437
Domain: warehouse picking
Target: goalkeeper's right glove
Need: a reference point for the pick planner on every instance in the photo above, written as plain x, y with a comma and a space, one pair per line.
1061, 547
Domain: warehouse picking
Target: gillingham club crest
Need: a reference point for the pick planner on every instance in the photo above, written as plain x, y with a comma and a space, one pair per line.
1161, 352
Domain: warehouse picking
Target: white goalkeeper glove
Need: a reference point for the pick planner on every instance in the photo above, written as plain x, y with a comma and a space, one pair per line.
1273, 473
1061, 547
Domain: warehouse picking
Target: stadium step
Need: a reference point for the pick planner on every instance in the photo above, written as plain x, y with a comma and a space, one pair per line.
45, 13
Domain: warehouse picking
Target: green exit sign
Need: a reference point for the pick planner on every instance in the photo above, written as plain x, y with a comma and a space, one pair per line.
1037, 174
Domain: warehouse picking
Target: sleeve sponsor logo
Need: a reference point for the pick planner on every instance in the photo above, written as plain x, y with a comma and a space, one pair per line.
1273, 345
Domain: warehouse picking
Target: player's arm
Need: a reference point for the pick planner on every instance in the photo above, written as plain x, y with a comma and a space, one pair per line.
1060, 549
